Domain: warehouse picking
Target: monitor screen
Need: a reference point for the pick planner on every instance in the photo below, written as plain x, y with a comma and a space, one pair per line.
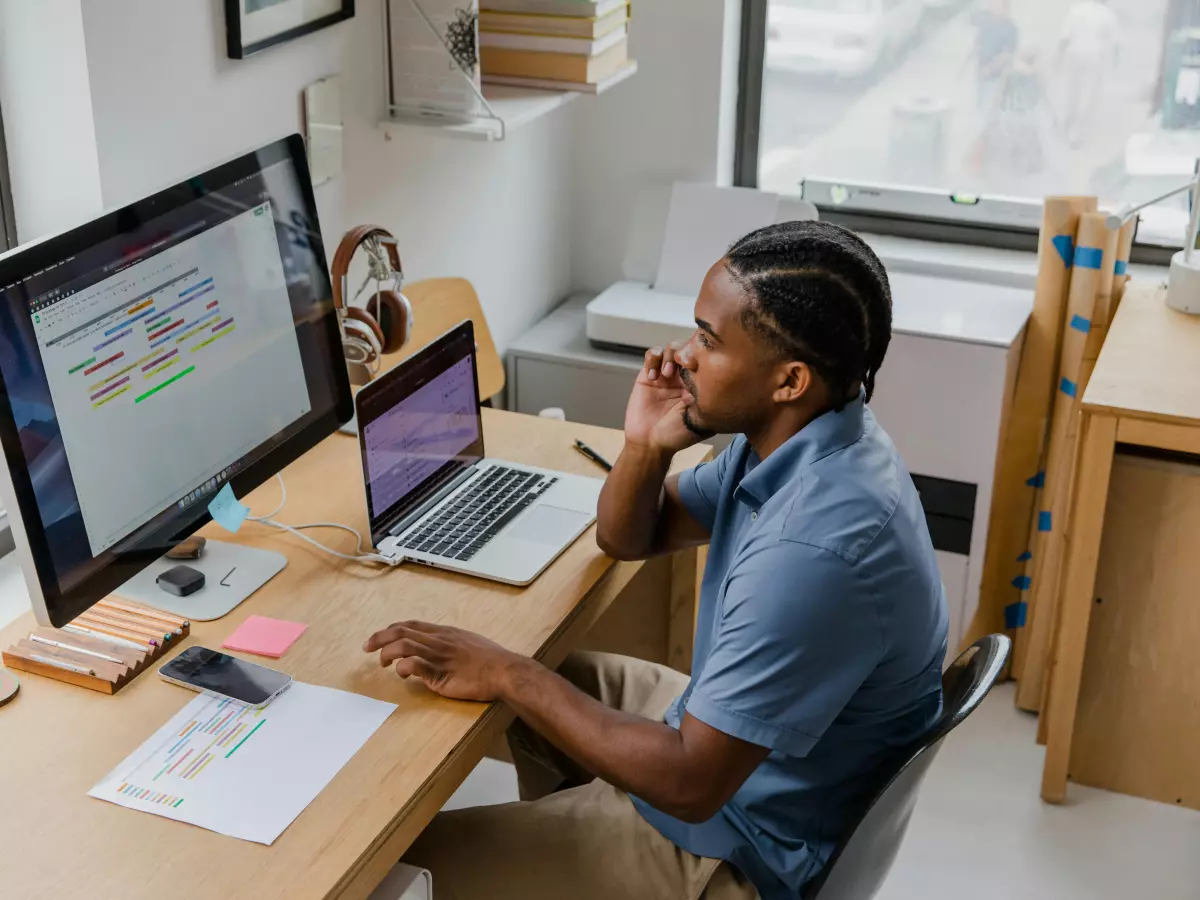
420, 426
156, 353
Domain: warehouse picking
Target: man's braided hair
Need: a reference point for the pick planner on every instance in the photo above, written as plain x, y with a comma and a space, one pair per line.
819, 295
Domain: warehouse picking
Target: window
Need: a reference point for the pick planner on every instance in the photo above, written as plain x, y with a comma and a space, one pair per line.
970, 111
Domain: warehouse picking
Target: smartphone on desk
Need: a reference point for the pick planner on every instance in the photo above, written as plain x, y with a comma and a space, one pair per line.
210, 672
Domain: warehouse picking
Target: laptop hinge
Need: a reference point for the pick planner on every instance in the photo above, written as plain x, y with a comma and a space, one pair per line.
449, 488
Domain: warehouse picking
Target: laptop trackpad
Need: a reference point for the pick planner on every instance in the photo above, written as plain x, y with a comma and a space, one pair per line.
547, 524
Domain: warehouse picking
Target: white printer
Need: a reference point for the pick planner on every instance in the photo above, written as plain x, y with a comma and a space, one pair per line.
674, 239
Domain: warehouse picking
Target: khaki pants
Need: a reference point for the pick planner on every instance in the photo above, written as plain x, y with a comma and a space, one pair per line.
572, 835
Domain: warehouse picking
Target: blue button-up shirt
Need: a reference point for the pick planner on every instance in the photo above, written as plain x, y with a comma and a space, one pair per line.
820, 636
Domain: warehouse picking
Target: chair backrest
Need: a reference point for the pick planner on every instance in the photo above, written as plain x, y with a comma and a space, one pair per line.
438, 305
862, 861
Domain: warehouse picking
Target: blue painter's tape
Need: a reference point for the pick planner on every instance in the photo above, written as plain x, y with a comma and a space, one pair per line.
1022, 582
1079, 323
1037, 480
1065, 247
1044, 520
1068, 387
1025, 557
1014, 615
1120, 267
1089, 257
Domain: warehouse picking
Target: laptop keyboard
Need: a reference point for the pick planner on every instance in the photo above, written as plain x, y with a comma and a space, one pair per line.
477, 514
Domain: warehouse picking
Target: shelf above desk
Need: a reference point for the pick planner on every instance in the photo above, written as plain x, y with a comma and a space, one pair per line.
512, 106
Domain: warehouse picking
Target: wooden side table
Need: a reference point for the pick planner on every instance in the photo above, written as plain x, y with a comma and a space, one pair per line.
1144, 392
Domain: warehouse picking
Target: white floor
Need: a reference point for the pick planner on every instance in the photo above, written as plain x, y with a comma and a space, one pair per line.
980, 830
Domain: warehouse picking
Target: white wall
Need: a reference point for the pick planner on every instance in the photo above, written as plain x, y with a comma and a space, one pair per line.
669, 127
526, 220
167, 102
48, 111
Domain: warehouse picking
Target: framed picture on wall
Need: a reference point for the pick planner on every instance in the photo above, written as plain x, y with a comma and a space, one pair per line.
253, 25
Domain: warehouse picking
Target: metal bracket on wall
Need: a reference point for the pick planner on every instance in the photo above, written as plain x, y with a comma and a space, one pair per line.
493, 126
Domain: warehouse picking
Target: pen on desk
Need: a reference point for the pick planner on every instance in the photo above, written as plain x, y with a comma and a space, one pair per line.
60, 664
106, 637
593, 455
38, 639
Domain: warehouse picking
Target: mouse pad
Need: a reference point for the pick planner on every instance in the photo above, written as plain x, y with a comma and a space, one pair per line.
548, 524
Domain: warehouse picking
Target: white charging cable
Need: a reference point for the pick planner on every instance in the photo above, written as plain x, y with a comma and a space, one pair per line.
357, 556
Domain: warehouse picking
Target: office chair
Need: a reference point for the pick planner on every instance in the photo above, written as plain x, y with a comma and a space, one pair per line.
859, 865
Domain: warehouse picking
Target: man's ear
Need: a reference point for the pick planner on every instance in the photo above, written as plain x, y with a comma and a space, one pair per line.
795, 380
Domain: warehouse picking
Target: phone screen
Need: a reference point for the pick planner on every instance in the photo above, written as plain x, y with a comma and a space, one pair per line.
228, 676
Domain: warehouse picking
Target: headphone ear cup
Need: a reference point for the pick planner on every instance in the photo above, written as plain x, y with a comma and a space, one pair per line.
395, 320
360, 346
361, 315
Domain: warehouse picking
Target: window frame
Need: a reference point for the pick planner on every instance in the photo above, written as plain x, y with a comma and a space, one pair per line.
751, 64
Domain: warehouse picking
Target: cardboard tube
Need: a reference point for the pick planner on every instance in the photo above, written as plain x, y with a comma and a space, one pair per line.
1088, 295
1022, 446
1124, 249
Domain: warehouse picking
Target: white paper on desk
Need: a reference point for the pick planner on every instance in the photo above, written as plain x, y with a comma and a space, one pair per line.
702, 222
244, 772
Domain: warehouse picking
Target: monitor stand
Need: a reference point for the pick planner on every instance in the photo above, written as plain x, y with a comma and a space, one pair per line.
232, 572
350, 427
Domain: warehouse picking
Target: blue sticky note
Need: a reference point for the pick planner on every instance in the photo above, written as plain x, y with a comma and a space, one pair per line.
1044, 520
226, 510
1015, 615
1025, 557
1022, 582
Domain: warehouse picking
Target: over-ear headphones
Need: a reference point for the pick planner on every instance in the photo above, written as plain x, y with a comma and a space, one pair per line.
385, 323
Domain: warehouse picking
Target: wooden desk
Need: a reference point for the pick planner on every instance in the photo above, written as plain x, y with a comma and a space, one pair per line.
56, 741
1145, 391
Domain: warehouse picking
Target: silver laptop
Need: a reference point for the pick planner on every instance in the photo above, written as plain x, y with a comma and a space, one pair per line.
433, 497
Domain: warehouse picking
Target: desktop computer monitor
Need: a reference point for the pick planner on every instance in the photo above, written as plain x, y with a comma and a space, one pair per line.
151, 356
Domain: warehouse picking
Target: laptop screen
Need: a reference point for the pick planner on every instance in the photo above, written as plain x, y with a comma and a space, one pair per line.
420, 426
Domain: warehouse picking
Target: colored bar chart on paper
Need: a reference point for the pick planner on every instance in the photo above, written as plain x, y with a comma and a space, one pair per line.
245, 772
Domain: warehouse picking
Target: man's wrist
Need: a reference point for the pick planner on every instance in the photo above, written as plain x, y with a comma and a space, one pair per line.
649, 457
515, 675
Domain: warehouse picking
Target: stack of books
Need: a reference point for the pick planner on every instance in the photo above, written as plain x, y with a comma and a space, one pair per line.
579, 45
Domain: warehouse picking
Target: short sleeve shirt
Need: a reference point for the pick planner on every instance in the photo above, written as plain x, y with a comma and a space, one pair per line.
820, 636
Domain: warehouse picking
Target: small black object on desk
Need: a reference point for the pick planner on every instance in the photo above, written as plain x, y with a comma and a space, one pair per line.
181, 580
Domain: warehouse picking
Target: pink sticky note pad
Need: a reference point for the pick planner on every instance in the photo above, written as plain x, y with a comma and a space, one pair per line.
266, 637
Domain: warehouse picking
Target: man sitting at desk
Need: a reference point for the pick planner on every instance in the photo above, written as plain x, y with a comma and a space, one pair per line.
821, 629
